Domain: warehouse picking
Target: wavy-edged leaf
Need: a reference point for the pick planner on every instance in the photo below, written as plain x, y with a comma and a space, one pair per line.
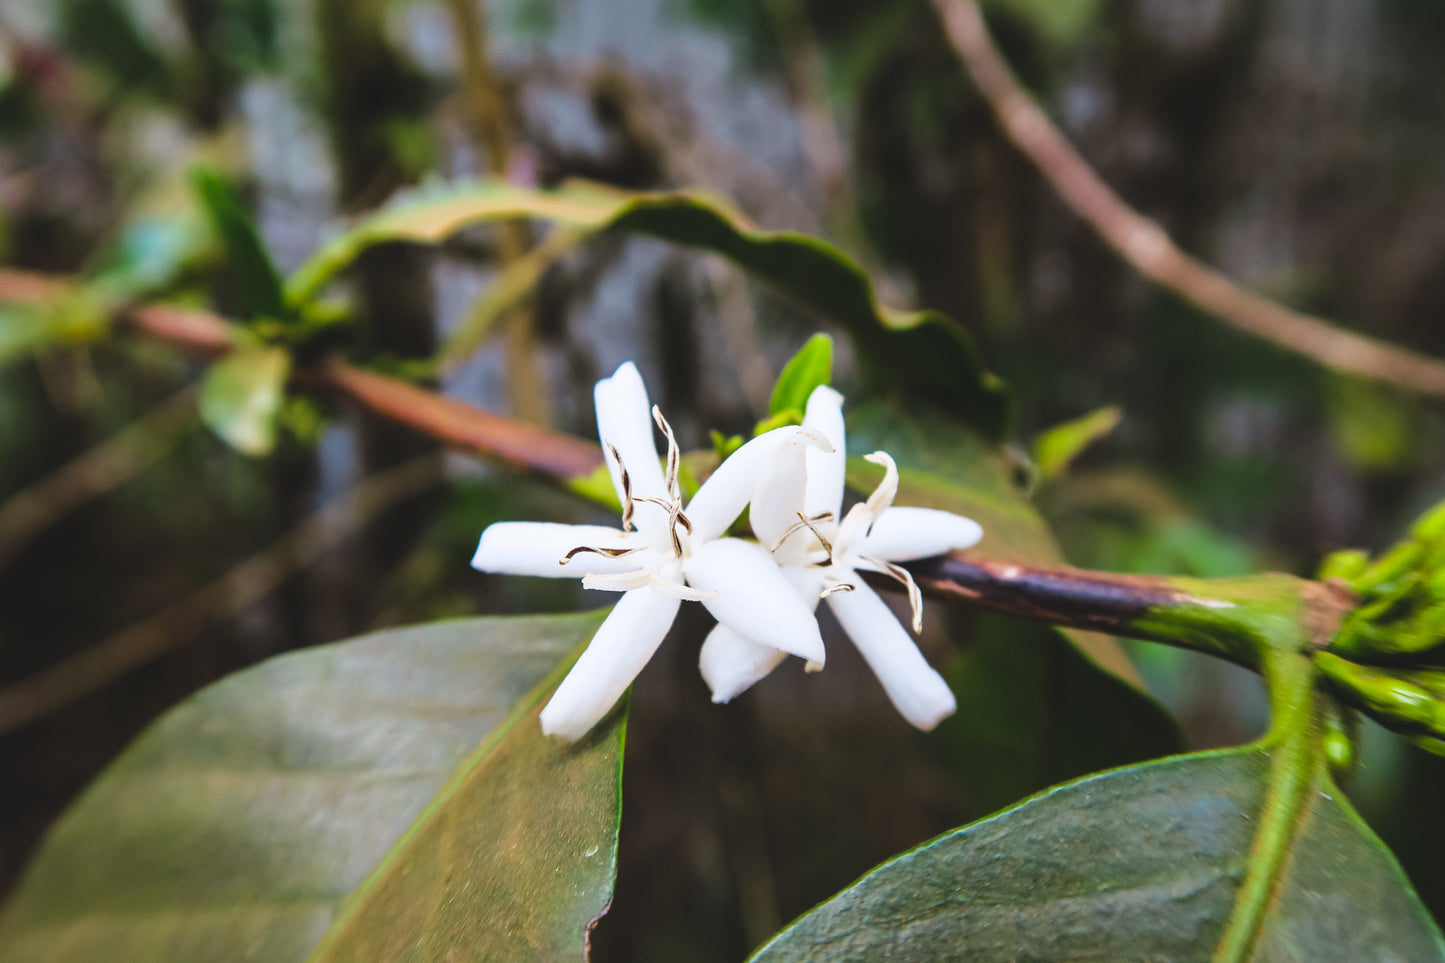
925, 351
1141, 863
238, 824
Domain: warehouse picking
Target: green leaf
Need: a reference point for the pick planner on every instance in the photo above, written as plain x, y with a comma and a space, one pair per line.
925, 352
22, 330
149, 254
1138, 863
288, 796
243, 394
810, 367
1054, 450
262, 291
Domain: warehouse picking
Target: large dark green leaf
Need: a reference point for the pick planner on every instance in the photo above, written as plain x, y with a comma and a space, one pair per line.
239, 823
1140, 863
925, 352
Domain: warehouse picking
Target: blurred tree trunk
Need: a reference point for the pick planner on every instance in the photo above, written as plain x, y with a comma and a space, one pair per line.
374, 99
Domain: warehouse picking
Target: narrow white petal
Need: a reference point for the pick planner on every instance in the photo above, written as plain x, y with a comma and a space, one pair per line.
826, 469
902, 534
619, 650
538, 548
917, 691
624, 421
723, 496
731, 663
778, 495
753, 598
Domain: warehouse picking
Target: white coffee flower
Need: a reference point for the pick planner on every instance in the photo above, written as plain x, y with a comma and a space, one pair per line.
663, 554
797, 515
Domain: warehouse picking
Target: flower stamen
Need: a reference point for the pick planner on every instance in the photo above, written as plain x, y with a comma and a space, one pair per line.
835, 588
802, 523
674, 454
604, 552
626, 480
900, 574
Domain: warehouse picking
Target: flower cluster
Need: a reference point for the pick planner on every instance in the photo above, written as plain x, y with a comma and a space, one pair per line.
763, 594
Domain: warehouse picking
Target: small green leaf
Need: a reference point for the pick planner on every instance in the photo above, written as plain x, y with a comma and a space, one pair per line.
1138, 863
596, 487
243, 394
1056, 449
810, 367
262, 291
238, 825
22, 330
149, 254
725, 445
779, 419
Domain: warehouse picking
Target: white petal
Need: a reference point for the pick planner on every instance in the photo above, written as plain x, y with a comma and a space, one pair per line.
778, 494
537, 548
917, 691
826, 469
902, 534
753, 597
624, 421
731, 663
619, 650
723, 496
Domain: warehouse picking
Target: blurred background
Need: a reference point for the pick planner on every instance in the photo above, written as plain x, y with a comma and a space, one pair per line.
1297, 144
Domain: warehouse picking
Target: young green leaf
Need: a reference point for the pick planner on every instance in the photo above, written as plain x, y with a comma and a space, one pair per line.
810, 367
262, 291
239, 823
242, 395
1054, 450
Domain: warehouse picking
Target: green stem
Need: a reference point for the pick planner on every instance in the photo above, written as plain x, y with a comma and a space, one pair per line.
1296, 762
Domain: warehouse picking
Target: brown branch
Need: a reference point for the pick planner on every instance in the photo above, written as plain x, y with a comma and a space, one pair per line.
1145, 246
184, 620
1207, 615
458, 424
452, 422
93, 473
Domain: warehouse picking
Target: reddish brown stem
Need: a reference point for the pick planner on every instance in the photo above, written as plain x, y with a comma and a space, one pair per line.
452, 422
1146, 247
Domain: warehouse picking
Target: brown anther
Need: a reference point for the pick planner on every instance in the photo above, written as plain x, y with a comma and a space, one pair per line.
604, 552
898, 572
627, 507
674, 454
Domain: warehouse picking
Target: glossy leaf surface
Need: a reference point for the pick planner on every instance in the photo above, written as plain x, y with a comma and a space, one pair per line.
1136, 864
241, 821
